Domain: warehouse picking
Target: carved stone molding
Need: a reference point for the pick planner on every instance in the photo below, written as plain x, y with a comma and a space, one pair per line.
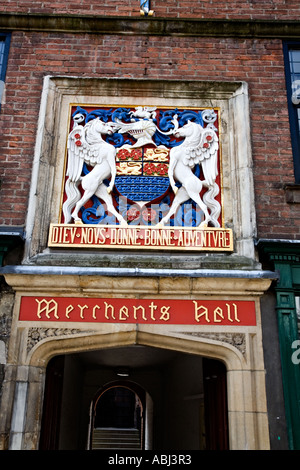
35, 335
237, 340
60, 93
53, 22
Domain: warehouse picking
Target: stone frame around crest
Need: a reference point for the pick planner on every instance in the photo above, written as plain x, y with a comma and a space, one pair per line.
50, 150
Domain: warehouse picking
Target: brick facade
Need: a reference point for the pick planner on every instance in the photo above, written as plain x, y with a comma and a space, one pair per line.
259, 62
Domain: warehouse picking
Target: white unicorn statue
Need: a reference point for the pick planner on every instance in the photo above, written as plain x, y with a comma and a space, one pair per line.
199, 146
86, 145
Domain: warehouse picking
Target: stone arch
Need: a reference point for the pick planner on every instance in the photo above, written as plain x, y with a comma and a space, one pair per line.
244, 381
139, 392
50, 347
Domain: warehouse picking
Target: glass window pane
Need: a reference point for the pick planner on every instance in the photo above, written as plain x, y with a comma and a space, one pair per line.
295, 55
2, 44
295, 67
295, 82
292, 62
296, 91
3, 60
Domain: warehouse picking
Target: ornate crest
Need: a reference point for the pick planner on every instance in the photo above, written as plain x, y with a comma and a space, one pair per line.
143, 166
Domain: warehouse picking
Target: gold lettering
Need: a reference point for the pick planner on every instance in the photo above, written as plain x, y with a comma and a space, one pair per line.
147, 237
152, 237
123, 237
45, 306
113, 236
171, 235
193, 238
236, 318
119, 237
112, 310
65, 235
152, 308
132, 237
83, 235
60, 234
165, 314
215, 237
208, 238
135, 309
204, 312
221, 239
203, 236
100, 235
163, 237
94, 311
229, 313
54, 235
187, 238
73, 233
123, 311
200, 238
87, 235
81, 310
218, 311
157, 237
69, 310
90, 236
180, 238
138, 236
235, 313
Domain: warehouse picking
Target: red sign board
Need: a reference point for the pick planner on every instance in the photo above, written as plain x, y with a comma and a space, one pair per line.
143, 311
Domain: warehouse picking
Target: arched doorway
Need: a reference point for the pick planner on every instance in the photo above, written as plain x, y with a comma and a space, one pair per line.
118, 417
172, 400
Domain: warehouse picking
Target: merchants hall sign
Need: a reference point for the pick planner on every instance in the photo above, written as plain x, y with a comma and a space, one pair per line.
142, 177
138, 311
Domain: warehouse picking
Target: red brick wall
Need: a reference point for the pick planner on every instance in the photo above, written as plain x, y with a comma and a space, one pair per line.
258, 62
249, 9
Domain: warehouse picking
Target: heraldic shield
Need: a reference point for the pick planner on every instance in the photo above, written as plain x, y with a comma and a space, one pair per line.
143, 166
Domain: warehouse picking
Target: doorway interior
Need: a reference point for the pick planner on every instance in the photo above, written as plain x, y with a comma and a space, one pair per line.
163, 399
118, 418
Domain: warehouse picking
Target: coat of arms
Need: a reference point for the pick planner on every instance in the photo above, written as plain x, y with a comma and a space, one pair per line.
143, 166
144, 177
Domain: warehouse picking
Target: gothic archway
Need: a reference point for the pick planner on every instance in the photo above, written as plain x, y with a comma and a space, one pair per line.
237, 366
117, 417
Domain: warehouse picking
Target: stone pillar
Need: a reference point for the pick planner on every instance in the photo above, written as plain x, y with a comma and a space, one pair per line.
21, 409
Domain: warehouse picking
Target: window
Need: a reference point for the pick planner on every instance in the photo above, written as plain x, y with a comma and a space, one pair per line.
4, 47
298, 313
292, 69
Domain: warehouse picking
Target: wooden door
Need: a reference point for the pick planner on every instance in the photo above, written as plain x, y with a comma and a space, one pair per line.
215, 404
49, 439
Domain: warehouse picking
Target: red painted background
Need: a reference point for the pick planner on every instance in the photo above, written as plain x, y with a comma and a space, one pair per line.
147, 311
